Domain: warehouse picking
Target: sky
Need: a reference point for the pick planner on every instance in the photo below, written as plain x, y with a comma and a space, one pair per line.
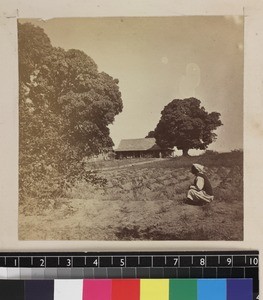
158, 59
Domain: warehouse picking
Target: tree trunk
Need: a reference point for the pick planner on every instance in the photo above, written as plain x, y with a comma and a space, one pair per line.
185, 152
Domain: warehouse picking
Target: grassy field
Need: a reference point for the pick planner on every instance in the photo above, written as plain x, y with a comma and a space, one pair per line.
142, 200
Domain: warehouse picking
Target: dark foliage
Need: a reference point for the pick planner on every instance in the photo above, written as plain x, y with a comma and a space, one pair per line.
150, 134
186, 125
65, 107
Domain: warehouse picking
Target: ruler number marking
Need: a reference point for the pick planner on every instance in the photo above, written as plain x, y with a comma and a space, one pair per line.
95, 262
42, 262
253, 261
229, 261
175, 261
202, 261
68, 262
122, 262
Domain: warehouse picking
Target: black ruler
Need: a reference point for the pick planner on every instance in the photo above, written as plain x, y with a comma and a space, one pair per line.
202, 264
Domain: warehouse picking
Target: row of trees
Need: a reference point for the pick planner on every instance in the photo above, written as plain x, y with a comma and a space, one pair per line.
186, 125
65, 107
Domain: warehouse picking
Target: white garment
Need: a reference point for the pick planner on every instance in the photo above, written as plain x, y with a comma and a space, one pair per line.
199, 168
200, 183
199, 196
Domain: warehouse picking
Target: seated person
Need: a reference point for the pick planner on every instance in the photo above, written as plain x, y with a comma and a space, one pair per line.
201, 191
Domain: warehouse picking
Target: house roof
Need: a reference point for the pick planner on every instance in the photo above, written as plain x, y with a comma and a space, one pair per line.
138, 145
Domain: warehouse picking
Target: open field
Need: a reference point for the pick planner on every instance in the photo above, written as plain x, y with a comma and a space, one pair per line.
143, 201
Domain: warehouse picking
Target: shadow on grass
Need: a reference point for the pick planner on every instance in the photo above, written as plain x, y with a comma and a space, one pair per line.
135, 233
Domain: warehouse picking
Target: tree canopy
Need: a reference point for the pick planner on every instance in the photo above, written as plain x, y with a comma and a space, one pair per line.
187, 125
65, 107
150, 134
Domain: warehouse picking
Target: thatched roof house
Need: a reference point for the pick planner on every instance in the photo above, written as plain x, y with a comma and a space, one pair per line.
145, 147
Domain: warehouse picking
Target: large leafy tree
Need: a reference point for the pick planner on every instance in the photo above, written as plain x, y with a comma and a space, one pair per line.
65, 107
186, 125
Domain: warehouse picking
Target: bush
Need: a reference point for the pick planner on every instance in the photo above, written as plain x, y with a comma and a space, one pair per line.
210, 152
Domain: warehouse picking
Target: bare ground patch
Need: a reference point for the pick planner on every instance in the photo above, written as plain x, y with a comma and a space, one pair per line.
142, 202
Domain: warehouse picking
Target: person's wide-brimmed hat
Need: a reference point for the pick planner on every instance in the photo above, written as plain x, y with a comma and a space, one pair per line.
199, 167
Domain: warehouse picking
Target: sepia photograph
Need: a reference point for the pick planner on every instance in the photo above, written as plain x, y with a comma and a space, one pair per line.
131, 128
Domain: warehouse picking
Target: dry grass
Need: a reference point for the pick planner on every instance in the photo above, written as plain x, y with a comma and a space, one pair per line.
143, 202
